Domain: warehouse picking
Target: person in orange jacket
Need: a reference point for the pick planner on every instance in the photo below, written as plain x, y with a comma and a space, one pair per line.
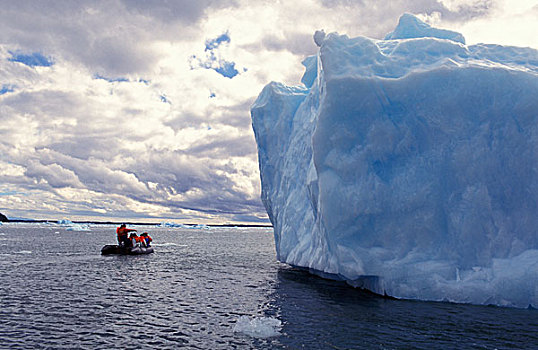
122, 232
147, 239
135, 240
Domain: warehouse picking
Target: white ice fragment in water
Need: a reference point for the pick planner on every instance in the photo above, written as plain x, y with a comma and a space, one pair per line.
168, 244
171, 224
78, 227
258, 327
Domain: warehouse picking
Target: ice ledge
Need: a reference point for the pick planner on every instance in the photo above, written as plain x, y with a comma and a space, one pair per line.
410, 27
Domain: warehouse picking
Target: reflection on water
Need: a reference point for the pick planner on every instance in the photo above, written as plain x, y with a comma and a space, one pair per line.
61, 293
330, 315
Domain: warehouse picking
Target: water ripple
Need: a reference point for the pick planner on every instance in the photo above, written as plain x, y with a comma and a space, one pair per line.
58, 292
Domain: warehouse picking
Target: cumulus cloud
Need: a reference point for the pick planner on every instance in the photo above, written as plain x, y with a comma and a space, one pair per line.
103, 116
108, 36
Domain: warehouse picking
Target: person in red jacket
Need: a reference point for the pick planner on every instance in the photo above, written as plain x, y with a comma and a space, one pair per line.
147, 239
123, 232
135, 240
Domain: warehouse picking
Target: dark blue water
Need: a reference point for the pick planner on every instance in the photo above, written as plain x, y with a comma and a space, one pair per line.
58, 292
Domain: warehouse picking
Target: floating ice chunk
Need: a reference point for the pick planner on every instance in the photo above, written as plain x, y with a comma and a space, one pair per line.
175, 225
258, 327
78, 227
200, 227
168, 244
64, 222
171, 225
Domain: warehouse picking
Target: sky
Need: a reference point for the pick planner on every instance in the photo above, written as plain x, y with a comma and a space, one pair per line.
140, 110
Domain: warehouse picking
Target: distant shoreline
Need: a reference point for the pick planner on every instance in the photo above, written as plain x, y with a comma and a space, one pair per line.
134, 223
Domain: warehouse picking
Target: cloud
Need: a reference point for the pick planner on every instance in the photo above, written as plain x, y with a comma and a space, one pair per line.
119, 125
508, 23
185, 11
110, 37
53, 174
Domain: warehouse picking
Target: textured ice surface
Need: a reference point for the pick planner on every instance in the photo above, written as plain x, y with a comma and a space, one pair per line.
408, 166
258, 327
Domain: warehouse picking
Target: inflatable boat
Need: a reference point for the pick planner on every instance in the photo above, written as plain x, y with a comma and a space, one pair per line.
116, 249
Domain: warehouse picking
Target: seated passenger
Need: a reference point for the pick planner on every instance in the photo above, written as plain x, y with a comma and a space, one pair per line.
147, 239
135, 240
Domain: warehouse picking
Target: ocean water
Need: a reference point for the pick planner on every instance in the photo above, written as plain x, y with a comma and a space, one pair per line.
214, 289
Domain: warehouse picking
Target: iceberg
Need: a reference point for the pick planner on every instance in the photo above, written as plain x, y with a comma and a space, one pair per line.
171, 225
407, 166
176, 225
78, 227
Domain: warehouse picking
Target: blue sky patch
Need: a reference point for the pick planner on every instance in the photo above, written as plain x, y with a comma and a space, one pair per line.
111, 80
212, 44
227, 69
213, 59
35, 59
4, 89
164, 99
10, 193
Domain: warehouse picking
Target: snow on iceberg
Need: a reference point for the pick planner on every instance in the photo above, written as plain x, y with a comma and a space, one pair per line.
408, 166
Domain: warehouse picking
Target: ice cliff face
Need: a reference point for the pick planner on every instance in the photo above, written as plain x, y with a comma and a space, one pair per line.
408, 166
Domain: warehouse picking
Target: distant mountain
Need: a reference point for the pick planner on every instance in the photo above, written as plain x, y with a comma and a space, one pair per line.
3, 218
